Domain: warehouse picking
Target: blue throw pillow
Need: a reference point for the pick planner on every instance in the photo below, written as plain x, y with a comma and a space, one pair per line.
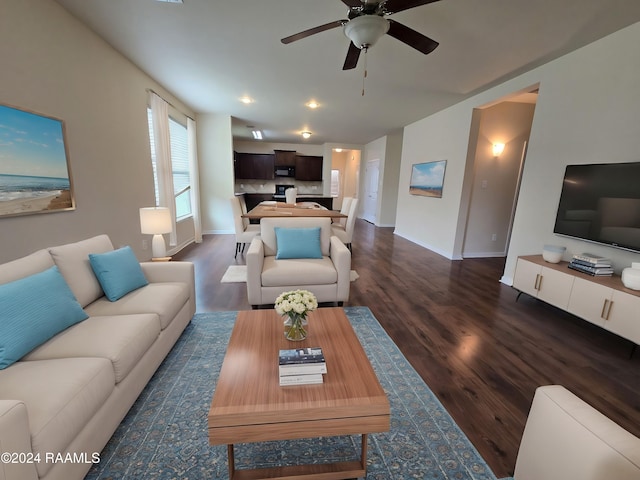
118, 272
32, 310
298, 242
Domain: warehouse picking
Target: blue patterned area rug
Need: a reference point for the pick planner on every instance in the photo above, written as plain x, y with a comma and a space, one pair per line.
164, 436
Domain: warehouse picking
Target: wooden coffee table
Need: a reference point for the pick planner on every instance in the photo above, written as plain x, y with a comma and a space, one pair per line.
249, 405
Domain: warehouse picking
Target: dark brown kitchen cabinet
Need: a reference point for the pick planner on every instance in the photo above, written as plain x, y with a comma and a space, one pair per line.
257, 166
285, 158
309, 168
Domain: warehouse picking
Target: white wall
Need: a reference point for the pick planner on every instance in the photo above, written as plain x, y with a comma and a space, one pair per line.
53, 65
390, 173
215, 159
587, 112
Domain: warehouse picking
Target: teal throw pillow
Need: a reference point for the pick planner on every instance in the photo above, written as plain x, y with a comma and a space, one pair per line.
32, 310
118, 272
298, 243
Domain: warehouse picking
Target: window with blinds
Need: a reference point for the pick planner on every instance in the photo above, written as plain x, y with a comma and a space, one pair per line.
179, 165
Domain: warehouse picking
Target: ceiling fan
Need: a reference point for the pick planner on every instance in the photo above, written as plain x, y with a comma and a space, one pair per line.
366, 23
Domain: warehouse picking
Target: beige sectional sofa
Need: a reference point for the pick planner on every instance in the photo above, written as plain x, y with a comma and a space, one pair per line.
62, 401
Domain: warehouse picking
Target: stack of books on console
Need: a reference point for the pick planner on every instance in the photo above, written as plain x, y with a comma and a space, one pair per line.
591, 264
301, 366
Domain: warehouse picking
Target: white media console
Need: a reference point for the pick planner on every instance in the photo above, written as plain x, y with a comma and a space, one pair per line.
604, 301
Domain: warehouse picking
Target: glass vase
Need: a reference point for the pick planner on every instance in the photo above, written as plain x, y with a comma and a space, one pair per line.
295, 327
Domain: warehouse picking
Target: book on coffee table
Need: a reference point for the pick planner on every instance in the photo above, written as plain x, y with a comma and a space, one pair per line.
309, 379
300, 356
302, 368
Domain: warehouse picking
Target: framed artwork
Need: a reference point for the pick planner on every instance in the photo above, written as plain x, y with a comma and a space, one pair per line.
34, 166
427, 179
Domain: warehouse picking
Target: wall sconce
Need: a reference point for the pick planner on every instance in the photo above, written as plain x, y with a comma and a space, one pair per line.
498, 148
156, 221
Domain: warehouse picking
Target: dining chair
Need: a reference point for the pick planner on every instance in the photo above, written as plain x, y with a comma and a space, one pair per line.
346, 203
346, 233
245, 232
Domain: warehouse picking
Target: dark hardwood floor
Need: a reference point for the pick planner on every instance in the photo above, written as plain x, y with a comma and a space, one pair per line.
482, 353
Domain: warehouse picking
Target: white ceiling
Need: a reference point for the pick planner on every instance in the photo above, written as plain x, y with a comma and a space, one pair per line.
209, 53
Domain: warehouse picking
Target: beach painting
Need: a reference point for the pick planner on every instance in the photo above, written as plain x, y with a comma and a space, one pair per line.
34, 168
427, 179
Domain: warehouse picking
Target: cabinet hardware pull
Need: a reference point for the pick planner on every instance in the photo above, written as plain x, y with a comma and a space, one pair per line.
609, 310
604, 308
538, 282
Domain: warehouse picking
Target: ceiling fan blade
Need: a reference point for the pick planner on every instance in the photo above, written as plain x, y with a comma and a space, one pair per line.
352, 3
394, 6
353, 54
411, 37
313, 31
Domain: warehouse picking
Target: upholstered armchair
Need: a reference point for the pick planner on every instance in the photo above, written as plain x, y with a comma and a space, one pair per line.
297, 253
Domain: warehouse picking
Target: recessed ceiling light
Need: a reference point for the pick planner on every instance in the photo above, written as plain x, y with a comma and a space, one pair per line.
337, 150
312, 104
305, 134
246, 100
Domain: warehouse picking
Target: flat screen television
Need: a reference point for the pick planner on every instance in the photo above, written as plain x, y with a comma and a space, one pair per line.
601, 203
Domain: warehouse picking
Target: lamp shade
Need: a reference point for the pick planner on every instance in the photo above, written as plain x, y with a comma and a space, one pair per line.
155, 220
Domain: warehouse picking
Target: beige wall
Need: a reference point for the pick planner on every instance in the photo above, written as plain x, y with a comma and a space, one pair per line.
587, 112
53, 65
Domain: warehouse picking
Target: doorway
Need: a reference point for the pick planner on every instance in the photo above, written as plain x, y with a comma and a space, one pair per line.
494, 185
371, 181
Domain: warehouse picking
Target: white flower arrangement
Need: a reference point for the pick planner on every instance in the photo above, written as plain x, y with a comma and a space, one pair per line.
296, 302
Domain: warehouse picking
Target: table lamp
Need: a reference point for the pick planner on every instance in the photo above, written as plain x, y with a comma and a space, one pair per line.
156, 221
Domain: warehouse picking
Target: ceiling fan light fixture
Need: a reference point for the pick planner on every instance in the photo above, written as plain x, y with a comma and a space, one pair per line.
305, 135
364, 31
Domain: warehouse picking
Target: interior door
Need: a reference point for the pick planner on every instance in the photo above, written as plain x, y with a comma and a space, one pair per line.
370, 205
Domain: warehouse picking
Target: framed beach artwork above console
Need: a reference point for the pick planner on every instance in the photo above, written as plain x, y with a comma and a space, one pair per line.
35, 176
427, 179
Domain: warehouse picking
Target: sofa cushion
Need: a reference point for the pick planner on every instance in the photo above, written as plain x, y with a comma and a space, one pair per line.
298, 242
61, 396
164, 299
73, 261
303, 271
118, 272
23, 267
123, 339
32, 310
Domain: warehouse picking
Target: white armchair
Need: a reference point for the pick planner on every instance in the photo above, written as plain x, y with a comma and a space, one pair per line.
268, 276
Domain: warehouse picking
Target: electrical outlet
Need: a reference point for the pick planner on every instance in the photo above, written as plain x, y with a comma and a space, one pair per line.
145, 244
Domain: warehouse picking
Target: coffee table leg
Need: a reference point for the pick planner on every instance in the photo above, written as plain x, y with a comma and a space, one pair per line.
363, 455
232, 463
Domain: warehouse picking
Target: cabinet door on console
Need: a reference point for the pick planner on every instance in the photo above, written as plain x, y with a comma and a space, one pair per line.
590, 301
527, 276
624, 316
547, 284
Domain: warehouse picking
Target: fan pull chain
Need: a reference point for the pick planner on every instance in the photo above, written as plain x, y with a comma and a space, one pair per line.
364, 76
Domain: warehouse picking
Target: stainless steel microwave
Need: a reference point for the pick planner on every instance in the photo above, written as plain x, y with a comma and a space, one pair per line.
285, 172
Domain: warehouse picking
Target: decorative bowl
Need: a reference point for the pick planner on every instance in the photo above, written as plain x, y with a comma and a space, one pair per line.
553, 253
631, 276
